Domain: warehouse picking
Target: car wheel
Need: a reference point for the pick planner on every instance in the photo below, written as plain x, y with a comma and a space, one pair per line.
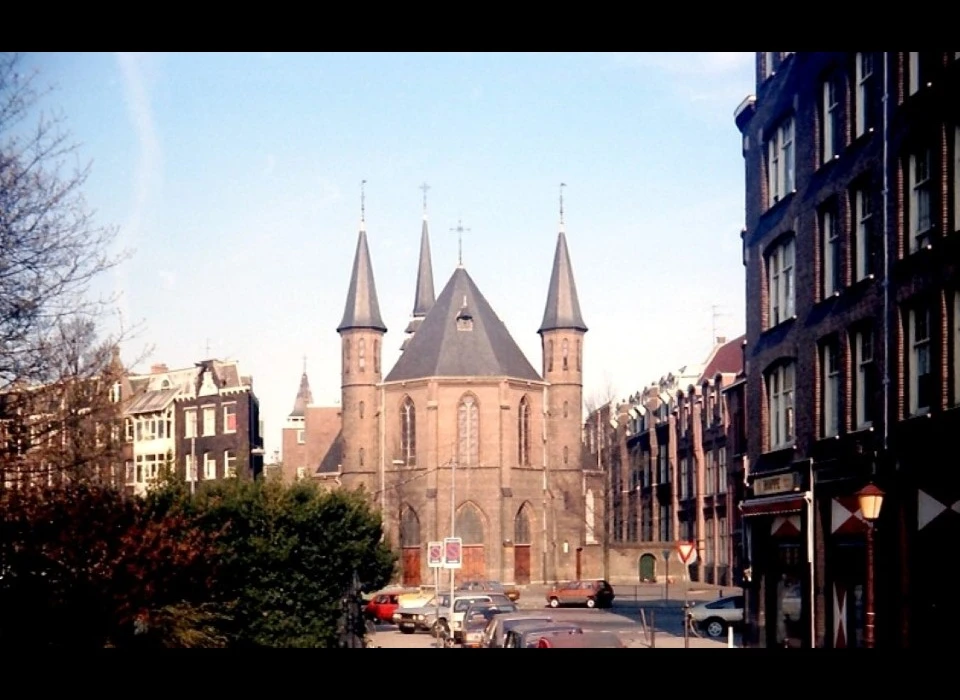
715, 628
439, 628
554, 603
591, 603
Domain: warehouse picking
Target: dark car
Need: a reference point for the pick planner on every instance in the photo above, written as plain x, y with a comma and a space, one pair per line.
496, 632
476, 619
527, 636
593, 594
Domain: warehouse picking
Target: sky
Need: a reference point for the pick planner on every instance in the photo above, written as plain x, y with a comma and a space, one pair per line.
234, 183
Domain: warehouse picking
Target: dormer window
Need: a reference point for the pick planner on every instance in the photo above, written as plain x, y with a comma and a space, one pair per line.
464, 318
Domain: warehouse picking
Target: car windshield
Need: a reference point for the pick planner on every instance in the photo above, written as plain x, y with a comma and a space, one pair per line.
443, 601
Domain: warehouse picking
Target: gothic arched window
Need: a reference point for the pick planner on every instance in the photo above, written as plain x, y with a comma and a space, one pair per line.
376, 356
361, 456
408, 433
470, 524
523, 429
362, 354
549, 355
566, 409
521, 526
565, 350
361, 407
346, 356
578, 356
566, 454
468, 433
409, 528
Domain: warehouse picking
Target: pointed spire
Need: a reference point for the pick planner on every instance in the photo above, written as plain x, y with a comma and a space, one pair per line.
304, 396
362, 309
563, 306
563, 227
425, 296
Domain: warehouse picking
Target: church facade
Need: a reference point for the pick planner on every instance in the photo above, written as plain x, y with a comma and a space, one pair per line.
463, 436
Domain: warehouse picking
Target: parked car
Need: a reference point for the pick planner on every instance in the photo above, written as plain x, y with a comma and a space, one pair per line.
583, 640
418, 597
527, 636
512, 592
716, 616
434, 616
462, 604
593, 594
382, 606
496, 632
476, 619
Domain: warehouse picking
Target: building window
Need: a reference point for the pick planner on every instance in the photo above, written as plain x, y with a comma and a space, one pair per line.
361, 456
921, 196
578, 356
780, 286
408, 433
663, 465
709, 542
865, 381
832, 129
863, 243
301, 473
128, 427
723, 554
665, 529
360, 408
781, 173
362, 354
684, 478
190, 467
722, 470
301, 437
230, 418
523, 433
566, 454
131, 475
346, 356
209, 466
830, 384
209, 420
921, 376
229, 464
919, 70
830, 241
710, 473
468, 452
780, 387
566, 409
376, 356
867, 94
565, 351
549, 355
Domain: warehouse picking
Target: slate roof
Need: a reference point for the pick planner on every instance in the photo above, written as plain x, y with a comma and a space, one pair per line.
424, 299
439, 349
563, 307
362, 309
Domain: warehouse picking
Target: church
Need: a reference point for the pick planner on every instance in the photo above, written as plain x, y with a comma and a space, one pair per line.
463, 437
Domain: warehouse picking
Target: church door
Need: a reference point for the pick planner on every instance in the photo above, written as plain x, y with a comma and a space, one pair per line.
648, 568
470, 530
521, 548
410, 546
411, 566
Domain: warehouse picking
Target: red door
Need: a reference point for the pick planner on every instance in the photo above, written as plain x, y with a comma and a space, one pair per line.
521, 564
411, 566
474, 563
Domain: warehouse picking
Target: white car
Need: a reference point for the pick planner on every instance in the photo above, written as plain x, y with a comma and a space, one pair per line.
717, 615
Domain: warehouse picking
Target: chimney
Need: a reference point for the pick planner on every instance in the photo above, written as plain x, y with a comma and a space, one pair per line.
158, 369
721, 339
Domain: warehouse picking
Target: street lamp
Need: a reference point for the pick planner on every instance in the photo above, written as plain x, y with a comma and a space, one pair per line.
871, 499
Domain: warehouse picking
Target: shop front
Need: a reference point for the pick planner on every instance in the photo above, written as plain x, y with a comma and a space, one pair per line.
778, 537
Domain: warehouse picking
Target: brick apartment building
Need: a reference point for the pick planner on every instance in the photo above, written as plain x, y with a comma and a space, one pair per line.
853, 342
671, 457
311, 438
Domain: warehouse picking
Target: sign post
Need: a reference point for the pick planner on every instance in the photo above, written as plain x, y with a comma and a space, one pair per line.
435, 562
666, 577
453, 560
688, 555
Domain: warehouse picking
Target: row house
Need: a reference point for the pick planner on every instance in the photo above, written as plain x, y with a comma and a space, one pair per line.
670, 463
851, 248
203, 422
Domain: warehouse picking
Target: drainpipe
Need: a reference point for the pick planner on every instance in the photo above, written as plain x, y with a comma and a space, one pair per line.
886, 257
543, 454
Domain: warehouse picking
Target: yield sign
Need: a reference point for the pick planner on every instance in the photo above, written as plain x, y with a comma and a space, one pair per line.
687, 552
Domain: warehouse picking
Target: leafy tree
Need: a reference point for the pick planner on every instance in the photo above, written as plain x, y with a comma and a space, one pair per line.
287, 557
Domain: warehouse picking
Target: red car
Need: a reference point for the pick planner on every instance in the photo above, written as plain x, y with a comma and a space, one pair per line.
382, 606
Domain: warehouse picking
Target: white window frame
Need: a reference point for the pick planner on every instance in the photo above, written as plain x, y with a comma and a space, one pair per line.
190, 423
831, 127
301, 437
780, 282
131, 473
209, 466
781, 387
920, 354
781, 162
921, 199
301, 473
226, 406
864, 77
722, 470
209, 420
830, 369
190, 467
229, 463
832, 262
864, 363
913, 72
863, 216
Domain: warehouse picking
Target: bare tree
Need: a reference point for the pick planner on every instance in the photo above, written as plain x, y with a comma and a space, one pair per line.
601, 397
57, 380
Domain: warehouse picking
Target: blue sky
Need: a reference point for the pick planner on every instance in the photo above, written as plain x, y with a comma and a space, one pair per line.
235, 180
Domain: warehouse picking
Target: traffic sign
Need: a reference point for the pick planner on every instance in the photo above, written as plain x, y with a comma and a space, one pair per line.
435, 555
452, 553
687, 552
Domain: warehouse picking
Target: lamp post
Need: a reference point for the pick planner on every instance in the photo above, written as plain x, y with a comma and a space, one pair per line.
871, 499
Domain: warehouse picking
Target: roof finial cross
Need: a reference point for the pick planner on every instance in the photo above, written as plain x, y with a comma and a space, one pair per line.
460, 229
424, 187
562, 185
363, 201
304, 364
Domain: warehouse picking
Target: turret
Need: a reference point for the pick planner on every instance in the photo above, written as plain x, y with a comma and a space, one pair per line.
424, 298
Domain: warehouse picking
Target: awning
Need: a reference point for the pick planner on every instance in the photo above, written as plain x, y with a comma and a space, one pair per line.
774, 505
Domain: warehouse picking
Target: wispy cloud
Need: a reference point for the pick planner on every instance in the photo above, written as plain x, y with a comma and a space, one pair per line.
148, 176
